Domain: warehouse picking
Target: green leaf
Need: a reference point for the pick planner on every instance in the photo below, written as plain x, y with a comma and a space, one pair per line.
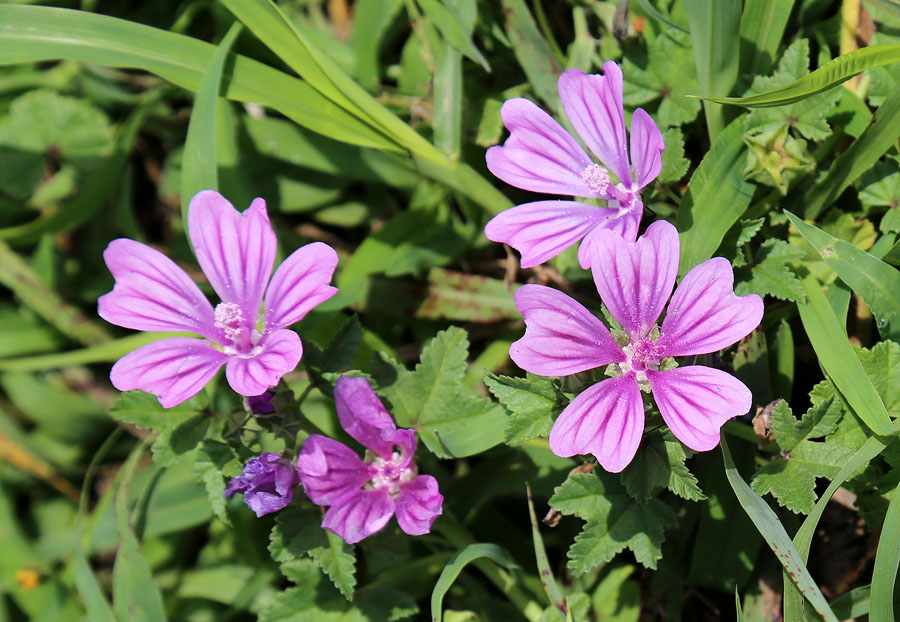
832, 346
877, 283
338, 561
614, 521
674, 164
453, 30
771, 276
532, 51
820, 420
211, 461
762, 27
882, 365
716, 198
451, 421
178, 429
670, 76
887, 560
532, 402
825, 77
198, 164
775, 157
551, 587
659, 464
451, 571
773, 532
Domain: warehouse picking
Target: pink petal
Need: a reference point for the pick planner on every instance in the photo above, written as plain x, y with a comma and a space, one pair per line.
152, 293
625, 223
705, 315
696, 401
544, 229
359, 515
363, 415
634, 279
173, 369
235, 250
606, 419
539, 154
418, 504
646, 147
329, 470
300, 283
561, 336
252, 375
594, 105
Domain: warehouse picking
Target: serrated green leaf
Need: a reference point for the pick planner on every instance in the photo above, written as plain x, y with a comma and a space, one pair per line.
450, 420
532, 402
674, 164
336, 558
211, 460
741, 233
614, 521
659, 464
771, 276
178, 429
820, 420
882, 365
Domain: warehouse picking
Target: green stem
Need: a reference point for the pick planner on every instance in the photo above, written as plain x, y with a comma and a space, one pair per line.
449, 527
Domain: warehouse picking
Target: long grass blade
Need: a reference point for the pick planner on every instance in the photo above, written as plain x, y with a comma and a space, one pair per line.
887, 560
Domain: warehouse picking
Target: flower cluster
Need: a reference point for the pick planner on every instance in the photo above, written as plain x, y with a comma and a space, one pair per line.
634, 278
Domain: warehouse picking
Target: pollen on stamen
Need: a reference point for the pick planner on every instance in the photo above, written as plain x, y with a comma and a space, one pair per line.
596, 177
228, 318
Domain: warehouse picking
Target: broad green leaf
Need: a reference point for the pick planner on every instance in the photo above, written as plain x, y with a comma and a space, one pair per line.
532, 402
451, 421
178, 429
762, 27
715, 38
770, 527
825, 77
212, 460
716, 197
770, 274
336, 558
861, 156
820, 420
198, 164
829, 340
882, 365
877, 283
614, 521
451, 571
659, 464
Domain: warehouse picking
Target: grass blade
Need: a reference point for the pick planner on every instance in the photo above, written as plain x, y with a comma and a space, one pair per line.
716, 197
877, 283
456, 29
887, 560
198, 167
533, 52
554, 594
715, 37
829, 339
774, 534
825, 77
762, 28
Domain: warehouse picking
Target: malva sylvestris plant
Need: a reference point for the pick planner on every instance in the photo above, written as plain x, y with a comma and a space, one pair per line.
541, 156
634, 281
236, 252
364, 494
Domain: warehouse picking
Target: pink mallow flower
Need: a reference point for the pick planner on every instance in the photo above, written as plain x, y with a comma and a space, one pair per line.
634, 280
236, 252
541, 156
364, 494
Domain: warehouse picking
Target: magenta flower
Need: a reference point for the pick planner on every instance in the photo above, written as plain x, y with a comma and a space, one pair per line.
704, 315
364, 494
236, 252
541, 156
267, 483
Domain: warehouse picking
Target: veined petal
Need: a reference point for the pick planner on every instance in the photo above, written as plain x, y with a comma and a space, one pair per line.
173, 369
152, 293
539, 154
329, 470
696, 401
625, 224
363, 416
418, 504
544, 229
300, 283
594, 105
252, 375
705, 315
646, 147
359, 515
606, 419
561, 336
634, 279
235, 250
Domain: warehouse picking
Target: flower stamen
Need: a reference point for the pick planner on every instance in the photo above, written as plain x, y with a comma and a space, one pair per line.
596, 177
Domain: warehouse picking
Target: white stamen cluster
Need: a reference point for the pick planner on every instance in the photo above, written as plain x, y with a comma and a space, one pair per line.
229, 319
596, 177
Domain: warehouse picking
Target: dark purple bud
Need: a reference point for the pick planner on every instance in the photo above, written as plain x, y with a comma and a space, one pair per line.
267, 483
261, 404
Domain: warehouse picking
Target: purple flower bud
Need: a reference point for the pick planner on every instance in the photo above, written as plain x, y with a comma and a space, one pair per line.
267, 483
261, 404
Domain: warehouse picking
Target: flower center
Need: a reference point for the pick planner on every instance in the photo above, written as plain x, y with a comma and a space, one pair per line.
236, 329
596, 177
391, 473
642, 356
